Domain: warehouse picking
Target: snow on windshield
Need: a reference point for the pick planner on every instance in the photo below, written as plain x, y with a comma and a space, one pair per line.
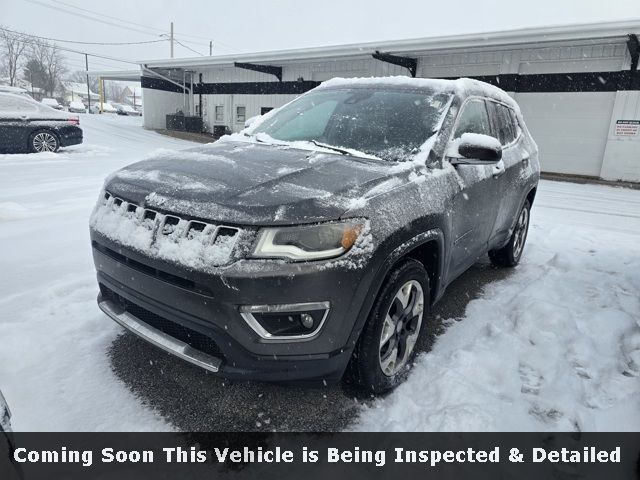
386, 123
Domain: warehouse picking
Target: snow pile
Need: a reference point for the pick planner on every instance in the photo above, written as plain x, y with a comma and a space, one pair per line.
179, 243
54, 369
555, 346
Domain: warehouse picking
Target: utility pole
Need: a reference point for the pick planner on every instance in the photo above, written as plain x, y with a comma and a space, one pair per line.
86, 62
171, 39
101, 85
210, 48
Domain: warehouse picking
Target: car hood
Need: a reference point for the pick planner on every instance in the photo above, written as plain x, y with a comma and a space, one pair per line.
249, 183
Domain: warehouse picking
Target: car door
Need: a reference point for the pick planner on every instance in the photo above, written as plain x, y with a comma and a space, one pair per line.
514, 160
475, 205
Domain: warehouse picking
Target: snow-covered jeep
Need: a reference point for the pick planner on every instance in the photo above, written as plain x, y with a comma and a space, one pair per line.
318, 238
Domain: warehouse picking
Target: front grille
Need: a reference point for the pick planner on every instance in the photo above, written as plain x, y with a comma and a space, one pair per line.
151, 271
192, 338
166, 235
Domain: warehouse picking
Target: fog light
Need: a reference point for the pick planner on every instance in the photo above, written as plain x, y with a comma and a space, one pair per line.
288, 322
306, 320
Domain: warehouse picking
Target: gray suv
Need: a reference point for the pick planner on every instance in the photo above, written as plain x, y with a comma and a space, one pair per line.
317, 239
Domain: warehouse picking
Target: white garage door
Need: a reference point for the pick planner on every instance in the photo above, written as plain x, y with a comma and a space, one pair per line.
570, 128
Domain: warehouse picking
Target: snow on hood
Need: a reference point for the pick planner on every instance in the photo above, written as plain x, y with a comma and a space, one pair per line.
251, 183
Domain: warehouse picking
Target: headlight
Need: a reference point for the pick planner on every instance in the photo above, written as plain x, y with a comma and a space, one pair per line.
311, 242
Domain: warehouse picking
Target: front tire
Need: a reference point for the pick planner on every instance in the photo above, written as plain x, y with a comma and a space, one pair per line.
386, 348
44, 141
510, 254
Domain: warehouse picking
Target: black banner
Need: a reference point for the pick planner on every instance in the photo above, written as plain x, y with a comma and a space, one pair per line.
327, 456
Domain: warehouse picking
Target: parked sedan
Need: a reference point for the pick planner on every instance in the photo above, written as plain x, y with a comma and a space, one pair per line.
127, 110
106, 108
52, 102
77, 107
29, 126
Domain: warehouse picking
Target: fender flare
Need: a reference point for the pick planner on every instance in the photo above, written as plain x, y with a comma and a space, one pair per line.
385, 267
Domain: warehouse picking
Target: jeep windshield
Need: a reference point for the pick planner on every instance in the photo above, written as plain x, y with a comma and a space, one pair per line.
391, 124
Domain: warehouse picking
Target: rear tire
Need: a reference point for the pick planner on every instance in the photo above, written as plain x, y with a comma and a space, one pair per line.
43, 141
386, 349
511, 253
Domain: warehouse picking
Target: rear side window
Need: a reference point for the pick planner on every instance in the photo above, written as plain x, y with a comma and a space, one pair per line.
474, 118
506, 130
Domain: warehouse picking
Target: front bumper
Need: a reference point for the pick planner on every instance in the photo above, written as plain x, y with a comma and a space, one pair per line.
142, 293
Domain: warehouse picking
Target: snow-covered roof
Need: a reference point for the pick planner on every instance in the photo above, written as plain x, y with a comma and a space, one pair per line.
79, 88
604, 30
460, 85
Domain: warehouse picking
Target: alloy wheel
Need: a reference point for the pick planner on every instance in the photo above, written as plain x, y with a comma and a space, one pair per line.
45, 142
520, 233
401, 328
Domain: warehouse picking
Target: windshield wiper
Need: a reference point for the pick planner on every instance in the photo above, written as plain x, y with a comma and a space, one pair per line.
331, 147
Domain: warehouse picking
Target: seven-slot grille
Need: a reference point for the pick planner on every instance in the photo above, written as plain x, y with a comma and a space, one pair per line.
173, 226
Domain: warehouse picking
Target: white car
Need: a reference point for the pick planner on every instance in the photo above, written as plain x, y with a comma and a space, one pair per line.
52, 102
128, 110
106, 108
77, 107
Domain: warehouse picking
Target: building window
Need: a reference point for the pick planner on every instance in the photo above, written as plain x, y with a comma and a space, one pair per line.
241, 114
219, 117
264, 110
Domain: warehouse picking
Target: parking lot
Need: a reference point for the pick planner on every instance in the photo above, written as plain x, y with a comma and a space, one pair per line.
551, 345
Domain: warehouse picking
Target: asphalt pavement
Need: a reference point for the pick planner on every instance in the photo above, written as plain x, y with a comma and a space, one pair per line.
194, 400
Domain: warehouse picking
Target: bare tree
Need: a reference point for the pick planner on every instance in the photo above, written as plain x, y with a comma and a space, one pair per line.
113, 91
12, 47
51, 61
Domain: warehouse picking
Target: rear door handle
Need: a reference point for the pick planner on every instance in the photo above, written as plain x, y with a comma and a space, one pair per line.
498, 170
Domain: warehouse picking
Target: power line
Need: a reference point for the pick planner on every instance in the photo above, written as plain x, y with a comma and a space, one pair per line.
83, 43
188, 48
34, 41
77, 14
146, 27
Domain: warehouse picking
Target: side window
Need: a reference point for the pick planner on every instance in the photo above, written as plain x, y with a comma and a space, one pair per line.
473, 119
219, 116
241, 114
506, 131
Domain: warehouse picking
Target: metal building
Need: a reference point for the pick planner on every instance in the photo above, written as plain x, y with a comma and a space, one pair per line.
578, 86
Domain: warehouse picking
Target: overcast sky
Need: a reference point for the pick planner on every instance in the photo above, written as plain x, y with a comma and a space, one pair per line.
258, 25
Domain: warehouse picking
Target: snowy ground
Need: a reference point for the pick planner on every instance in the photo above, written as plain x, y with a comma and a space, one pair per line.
555, 345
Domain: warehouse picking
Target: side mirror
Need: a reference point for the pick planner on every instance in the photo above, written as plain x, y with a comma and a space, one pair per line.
475, 149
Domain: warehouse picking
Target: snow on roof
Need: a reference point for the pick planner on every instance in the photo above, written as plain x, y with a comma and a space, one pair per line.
460, 86
605, 30
79, 88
